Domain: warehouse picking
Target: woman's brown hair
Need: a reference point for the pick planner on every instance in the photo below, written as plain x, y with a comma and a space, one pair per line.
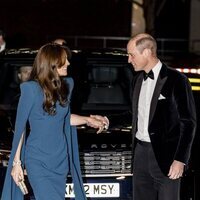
49, 58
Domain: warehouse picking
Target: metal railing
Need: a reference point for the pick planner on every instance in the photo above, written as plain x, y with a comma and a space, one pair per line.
166, 46
104, 40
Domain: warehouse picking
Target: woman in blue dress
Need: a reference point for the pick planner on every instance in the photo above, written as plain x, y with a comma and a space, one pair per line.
50, 151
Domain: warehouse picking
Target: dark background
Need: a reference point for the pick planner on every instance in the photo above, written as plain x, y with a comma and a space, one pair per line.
30, 23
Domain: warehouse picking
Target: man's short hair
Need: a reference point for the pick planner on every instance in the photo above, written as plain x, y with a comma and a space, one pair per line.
21, 68
147, 42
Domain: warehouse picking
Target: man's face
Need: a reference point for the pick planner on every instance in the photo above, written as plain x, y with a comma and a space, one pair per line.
1, 40
135, 57
24, 73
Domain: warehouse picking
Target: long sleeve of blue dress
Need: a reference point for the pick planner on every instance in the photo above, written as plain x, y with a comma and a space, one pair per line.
72, 141
41, 161
10, 189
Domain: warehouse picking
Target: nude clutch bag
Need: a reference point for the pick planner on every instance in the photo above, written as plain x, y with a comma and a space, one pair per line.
23, 187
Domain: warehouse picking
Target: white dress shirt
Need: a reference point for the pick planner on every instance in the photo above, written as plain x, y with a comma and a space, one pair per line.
144, 103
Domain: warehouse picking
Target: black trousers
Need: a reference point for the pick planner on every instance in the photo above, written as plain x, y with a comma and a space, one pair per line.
149, 183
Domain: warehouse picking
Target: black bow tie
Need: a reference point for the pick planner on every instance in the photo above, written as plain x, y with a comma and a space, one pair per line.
150, 75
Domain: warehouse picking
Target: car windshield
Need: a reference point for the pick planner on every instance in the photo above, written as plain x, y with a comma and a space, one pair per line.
102, 84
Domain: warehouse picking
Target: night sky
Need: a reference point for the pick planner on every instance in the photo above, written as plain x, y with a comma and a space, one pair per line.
34, 22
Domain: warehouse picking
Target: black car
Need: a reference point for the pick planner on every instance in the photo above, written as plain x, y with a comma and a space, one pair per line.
103, 81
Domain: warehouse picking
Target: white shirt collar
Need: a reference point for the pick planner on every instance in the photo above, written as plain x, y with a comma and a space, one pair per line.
156, 69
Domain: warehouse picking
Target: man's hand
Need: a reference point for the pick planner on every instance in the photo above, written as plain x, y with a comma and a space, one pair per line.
176, 170
104, 120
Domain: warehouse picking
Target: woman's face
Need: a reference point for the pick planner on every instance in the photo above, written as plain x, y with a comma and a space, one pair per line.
63, 70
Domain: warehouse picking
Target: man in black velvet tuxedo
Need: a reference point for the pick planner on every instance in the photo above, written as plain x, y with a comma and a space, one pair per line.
163, 121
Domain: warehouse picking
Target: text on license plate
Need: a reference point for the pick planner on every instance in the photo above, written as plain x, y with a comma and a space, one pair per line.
96, 190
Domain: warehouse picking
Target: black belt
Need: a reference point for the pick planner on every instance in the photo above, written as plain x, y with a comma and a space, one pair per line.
143, 143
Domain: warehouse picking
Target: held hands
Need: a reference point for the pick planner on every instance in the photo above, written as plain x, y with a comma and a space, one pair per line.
98, 121
176, 170
17, 172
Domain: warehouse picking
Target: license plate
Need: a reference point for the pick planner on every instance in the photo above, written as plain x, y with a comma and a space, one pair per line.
96, 190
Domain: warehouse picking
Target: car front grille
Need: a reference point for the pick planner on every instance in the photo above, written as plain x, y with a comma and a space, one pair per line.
106, 162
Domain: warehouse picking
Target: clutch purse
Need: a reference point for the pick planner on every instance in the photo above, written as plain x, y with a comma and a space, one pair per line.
23, 187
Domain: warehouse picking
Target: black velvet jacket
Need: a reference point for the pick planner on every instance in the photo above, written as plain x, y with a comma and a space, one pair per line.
172, 120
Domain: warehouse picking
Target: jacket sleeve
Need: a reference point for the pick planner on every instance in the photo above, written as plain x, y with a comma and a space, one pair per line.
187, 115
10, 189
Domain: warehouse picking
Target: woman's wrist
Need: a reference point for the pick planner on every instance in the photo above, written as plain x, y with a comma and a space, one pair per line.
16, 162
87, 120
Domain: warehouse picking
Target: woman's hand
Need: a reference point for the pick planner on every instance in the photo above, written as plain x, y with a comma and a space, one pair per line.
95, 123
17, 173
104, 122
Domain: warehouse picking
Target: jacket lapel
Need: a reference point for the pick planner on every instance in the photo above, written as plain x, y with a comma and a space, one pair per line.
159, 85
136, 93
135, 98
